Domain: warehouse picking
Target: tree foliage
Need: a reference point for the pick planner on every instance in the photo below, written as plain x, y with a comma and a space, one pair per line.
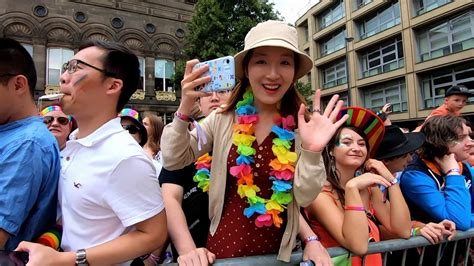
306, 90
218, 28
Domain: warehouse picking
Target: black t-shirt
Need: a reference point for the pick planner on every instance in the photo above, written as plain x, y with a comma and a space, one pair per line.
195, 203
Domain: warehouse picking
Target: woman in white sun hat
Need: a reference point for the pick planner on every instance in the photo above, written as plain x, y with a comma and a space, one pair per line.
266, 156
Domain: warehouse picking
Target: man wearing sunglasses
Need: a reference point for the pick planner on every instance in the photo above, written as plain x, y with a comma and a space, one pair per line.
111, 204
58, 123
29, 154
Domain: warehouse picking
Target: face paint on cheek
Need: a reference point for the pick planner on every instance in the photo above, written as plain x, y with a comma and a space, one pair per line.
79, 80
341, 137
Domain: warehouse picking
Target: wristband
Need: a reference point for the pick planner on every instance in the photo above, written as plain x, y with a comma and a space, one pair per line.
154, 258
415, 230
354, 208
311, 238
182, 116
453, 170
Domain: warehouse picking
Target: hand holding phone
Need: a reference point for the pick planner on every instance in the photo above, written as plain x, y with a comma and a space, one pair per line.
222, 72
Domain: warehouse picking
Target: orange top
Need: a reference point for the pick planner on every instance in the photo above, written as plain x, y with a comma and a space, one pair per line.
328, 241
443, 110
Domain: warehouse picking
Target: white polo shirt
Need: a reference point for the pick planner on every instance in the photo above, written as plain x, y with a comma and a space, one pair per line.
107, 185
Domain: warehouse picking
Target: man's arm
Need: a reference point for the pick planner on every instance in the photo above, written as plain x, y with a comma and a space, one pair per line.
4, 235
148, 236
453, 204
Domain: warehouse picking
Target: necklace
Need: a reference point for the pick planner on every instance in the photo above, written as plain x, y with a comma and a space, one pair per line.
203, 164
282, 167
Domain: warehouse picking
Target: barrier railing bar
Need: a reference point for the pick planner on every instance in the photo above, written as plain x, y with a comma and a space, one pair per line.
422, 255
374, 247
453, 256
404, 258
438, 254
385, 257
468, 247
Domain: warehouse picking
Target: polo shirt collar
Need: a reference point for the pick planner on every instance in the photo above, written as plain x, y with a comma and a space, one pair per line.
113, 126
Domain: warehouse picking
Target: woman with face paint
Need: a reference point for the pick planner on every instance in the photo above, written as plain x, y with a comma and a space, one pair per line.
351, 205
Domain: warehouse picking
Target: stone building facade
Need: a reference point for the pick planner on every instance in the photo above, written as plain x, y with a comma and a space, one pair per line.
52, 31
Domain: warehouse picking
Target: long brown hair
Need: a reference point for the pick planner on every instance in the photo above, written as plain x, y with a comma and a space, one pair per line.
332, 173
154, 137
289, 104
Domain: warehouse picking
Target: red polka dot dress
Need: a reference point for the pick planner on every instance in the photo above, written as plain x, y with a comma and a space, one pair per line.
237, 235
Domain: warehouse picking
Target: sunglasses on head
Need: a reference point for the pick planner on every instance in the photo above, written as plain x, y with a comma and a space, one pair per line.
61, 120
132, 129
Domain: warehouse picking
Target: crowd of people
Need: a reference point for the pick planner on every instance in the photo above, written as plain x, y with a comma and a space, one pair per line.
250, 171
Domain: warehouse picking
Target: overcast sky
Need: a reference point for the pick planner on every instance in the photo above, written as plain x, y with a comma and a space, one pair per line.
293, 9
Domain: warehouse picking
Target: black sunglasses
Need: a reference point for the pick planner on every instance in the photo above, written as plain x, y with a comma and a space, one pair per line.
71, 67
61, 120
132, 129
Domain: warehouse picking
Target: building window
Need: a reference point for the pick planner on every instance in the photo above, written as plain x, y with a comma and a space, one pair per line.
333, 43
360, 3
383, 58
56, 58
393, 92
449, 37
381, 21
342, 96
423, 6
434, 84
164, 70
141, 60
28, 48
334, 74
333, 14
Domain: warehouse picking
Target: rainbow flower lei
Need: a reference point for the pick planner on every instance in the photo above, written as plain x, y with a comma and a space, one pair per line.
203, 164
283, 166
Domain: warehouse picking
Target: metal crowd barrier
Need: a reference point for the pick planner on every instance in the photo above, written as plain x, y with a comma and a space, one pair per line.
383, 247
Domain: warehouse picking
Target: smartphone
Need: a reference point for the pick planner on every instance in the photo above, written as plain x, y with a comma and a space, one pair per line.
13, 258
222, 72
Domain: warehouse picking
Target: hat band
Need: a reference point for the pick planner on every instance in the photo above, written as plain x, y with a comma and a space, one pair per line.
276, 39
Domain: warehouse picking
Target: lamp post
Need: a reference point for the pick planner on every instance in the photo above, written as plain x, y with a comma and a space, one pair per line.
348, 40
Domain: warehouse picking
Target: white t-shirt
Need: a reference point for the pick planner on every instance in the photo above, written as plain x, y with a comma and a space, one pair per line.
107, 185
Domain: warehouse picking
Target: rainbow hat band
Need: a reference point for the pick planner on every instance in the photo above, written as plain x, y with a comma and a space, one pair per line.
50, 109
131, 113
367, 121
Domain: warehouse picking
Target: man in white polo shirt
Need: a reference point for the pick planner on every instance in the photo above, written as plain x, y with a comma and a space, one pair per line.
112, 209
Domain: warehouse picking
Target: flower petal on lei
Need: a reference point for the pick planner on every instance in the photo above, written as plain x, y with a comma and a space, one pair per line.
246, 110
248, 129
283, 155
281, 186
277, 165
288, 122
283, 133
244, 139
282, 143
273, 205
282, 175
242, 159
248, 119
282, 197
245, 150
255, 208
264, 220
277, 220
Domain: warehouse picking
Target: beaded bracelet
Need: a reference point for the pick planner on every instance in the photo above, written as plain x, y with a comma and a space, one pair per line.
311, 238
354, 208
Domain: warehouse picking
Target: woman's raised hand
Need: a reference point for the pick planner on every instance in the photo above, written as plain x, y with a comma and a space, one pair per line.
377, 167
190, 81
366, 180
319, 129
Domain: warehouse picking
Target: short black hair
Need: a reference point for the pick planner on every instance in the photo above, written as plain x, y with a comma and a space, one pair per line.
123, 63
15, 60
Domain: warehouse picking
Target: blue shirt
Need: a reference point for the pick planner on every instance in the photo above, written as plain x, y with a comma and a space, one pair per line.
29, 172
452, 203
